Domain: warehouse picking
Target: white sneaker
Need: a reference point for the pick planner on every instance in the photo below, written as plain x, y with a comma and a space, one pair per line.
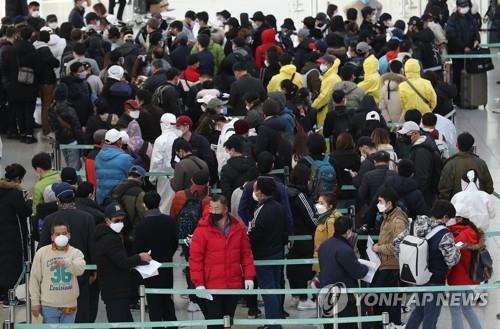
294, 301
306, 305
184, 296
396, 326
193, 307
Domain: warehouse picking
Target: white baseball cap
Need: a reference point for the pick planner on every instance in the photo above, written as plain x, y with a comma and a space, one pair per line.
205, 99
373, 115
112, 136
407, 127
116, 72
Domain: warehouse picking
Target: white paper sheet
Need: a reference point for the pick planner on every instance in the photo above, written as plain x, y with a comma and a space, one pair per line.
372, 269
149, 270
372, 255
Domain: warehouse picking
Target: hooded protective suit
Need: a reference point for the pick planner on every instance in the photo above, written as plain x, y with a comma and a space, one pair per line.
328, 80
161, 160
409, 98
371, 82
479, 203
286, 72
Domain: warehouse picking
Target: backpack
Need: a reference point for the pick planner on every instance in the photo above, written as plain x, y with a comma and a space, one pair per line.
66, 57
414, 257
481, 266
189, 215
306, 75
158, 95
323, 176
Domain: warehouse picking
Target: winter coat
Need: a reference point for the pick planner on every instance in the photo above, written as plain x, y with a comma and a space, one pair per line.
390, 101
409, 98
185, 170
94, 123
79, 97
46, 62
323, 232
269, 138
90, 164
45, 180
76, 18
217, 53
13, 236
454, 169
371, 82
255, 116
130, 194
345, 159
459, 274
423, 42
410, 197
424, 153
129, 51
445, 94
179, 56
116, 93
312, 76
302, 52
219, 260
328, 80
159, 234
111, 168
234, 174
156, 80
15, 8
371, 182
359, 125
395, 222
392, 155
90, 206
268, 41
480, 205
238, 90
339, 263
461, 32
113, 264
180, 198
57, 46
337, 121
286, 72
353, 94
65, 123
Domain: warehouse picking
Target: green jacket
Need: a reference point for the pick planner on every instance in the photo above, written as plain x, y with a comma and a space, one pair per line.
45, 180
455, 167
216, 50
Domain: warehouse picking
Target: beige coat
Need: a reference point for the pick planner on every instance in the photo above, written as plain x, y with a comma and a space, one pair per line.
392, 225
390, 102
323, 233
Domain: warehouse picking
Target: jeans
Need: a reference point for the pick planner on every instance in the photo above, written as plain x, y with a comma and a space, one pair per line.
426, 312
220, 306
54, 315
72, 157
466, 308
270, 277
117, 310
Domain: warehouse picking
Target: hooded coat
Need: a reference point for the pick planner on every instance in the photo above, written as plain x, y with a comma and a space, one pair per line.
328, 80
268, 40
371, 81
390, 102
286, 72
459, 274
409, 98
353, 94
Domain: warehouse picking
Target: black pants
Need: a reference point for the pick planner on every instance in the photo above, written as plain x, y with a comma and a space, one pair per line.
94, 301
190, 285
121, 8
387, 278
219, 307
24, 115
161, 308
349, 311
117, 310
458, 65
83, 301
251, 300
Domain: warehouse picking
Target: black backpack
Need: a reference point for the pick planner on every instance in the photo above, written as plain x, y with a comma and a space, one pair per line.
189, 215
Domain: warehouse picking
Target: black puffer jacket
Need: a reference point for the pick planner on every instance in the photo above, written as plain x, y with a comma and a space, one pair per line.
371, 183
359, 126
64, 122
461, 32
47, 63
423, 44
113, 264
90, 207
410, 196
233, 174
445, 93
269, 138
79, 96
425, 154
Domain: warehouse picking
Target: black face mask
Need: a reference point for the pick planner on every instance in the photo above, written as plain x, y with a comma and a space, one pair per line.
215, 218
405, 139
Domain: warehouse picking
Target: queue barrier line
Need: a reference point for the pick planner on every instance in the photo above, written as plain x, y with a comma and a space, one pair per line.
373, 290
188, 323
490, 45
470, 56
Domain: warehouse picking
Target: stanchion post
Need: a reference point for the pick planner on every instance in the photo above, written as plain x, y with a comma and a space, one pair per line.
27, 274
7, 324
142, 301
12, 304
227, 322
385, 320
335, 300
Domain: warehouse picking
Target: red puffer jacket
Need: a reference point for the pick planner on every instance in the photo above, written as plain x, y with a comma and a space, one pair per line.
217, 261
268, 40
459, 274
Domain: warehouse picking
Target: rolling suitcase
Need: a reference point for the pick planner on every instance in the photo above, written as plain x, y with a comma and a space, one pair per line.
473, 90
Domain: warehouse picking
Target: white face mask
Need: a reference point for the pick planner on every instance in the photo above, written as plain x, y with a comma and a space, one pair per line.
52, 25
117, 227
266, 63
463, 10
61, 241
254, 26
35, 14
321, 209
254, 196
134, 114
323, 68
451, 222
248, 107
381, 207
85, 4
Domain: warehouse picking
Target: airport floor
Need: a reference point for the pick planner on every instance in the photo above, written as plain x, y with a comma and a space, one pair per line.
483, 124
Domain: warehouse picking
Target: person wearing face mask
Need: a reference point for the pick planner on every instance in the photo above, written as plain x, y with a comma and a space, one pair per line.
443, 255
187, 167
394, 222
56, 265
42, 165
220, 257
114, 264
339, 263
116, 90
82, 225
366, 147
241, 86
329, 66
259, 25
76, 14
13, 236
133, 112
212, 107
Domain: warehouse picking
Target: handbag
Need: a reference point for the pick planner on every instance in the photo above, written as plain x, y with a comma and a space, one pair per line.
25, 75
479, 65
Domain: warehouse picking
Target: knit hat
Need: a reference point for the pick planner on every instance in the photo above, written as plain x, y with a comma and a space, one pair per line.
61, 92
241, 127
68, 175
63, 191
116, 72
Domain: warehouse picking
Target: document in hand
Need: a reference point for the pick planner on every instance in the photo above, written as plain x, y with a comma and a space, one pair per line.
372, 269
149, 270
372, 255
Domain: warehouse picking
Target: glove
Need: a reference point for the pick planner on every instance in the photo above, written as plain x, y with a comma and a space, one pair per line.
249, 285
202, 294
188, 239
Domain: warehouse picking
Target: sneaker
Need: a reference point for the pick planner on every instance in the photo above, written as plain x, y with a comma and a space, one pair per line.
193, 307
17, 302
304, 305
294, 301
184, 296
135, 306
396, 326
30, 139
254, 313
284, 314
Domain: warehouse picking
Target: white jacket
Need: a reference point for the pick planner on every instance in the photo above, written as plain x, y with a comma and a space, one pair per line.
221, 154
160, 161
479, 204
57, 45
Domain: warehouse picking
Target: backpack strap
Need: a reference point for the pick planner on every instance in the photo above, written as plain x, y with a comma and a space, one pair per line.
109, 119
426, 101
435, 231
293, 76
144, 148
196, 163
309, 159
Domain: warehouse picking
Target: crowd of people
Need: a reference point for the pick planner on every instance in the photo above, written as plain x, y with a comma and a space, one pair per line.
352, 105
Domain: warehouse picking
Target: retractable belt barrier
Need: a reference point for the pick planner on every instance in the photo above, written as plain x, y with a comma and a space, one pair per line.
470, 56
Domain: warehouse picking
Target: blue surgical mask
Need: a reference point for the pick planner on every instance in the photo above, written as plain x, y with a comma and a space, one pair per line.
82, 75
365, 1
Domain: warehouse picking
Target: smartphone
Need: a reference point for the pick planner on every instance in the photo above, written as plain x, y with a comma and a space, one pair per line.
459, 244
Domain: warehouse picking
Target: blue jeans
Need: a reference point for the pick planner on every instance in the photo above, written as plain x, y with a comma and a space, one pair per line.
72, 158
466, 308
53, 315
270, 277
426, 312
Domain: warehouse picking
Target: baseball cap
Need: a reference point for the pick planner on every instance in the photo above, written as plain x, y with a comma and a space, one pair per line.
327, 59
258, 16
184, 120
63, 191
407, 127
373, 115
113, 210
215, 102
112, 136
138, 170
131, 103
363, 48
205, 99
116, 72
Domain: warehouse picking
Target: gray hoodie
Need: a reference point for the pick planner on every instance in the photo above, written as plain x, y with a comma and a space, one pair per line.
353, 93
